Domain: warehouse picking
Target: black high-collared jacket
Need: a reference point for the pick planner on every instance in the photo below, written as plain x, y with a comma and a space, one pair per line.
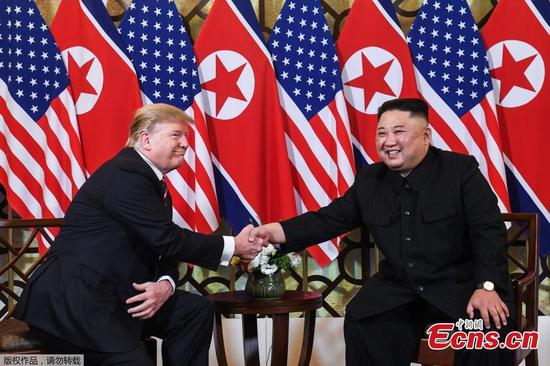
439, 230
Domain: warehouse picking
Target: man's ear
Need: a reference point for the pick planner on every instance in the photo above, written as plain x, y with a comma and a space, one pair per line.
144, 140
427, 134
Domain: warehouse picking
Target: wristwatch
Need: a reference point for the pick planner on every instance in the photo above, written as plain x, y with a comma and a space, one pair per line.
486, 285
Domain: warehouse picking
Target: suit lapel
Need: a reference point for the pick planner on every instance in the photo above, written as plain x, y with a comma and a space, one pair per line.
143, 168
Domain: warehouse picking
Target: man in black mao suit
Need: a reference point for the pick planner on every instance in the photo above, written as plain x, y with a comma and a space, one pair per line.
437, 222
109, 277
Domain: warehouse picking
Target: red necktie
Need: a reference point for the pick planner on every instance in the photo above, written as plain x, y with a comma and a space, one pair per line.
164, 190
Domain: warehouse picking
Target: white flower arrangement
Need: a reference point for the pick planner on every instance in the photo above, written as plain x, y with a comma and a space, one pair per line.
270, 261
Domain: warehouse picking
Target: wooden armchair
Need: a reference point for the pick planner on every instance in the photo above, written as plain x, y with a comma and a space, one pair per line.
522, 236
18, 259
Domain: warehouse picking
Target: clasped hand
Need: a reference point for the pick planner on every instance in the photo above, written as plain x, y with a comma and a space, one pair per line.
247, 245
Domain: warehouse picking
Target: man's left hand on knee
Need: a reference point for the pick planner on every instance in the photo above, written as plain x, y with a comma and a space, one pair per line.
152, 297
490, 306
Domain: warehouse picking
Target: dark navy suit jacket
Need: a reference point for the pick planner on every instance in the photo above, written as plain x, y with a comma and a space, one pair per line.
118, 230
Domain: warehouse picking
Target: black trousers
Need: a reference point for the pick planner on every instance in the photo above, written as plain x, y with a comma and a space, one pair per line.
392, 338
184, 323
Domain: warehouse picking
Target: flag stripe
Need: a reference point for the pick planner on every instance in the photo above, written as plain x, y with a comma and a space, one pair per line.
323, 125
19, 162
179, 220
207, 201
306, 137
248, 24
234, 188
63, 188
320, 255
69, 138
16, 174
545, 211
24, 148
385, 7
185, 209
361, 150
541, 10
491, 173
485, 118
312, 192
18, 193
345, 150
183, 179
311, 198
58, 141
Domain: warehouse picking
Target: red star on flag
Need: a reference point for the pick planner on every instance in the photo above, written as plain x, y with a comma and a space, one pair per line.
225, 84
372, 79
80, 83
512, 73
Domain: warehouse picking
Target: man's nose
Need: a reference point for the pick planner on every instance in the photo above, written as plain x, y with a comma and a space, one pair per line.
390, 139
184, 143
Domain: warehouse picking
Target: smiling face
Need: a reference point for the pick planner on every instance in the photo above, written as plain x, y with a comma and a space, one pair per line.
166, 144
402, 140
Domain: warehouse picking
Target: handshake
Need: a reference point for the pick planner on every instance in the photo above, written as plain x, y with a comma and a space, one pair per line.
251, 240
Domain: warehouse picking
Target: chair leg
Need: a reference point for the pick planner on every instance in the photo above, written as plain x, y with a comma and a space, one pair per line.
532, 358
150, 345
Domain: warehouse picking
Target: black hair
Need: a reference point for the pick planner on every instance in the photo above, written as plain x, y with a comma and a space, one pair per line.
417, 107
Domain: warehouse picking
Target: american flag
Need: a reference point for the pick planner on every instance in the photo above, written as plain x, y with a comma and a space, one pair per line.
41, 163
452, 74
310, 91
162, 54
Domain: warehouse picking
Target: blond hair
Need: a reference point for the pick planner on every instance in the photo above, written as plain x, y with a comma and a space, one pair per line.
147, 117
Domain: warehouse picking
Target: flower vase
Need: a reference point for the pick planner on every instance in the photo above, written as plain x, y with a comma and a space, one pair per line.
265, 286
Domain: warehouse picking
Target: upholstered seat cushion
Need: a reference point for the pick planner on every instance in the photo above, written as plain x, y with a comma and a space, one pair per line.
15, 337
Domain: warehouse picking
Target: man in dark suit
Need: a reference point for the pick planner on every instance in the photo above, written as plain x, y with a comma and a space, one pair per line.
436, 220
109, 277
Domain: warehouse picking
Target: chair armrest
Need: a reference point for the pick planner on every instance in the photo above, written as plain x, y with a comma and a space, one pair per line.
520, 285
525, 280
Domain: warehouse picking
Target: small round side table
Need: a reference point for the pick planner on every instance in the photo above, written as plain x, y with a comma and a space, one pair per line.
238, 302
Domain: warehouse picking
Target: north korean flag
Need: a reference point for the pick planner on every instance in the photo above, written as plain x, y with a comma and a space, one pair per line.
517, 37
376, 67
244, 118
104, 83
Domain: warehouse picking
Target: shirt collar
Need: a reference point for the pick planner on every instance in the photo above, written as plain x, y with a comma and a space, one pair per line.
420, 173
417, 176
157, 171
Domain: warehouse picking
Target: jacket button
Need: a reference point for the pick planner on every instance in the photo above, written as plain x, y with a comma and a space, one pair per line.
407, 239
407, 213
410, 264
420, 288
407, 186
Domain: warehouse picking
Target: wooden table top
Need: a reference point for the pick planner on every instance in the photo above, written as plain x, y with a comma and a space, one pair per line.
239, 302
